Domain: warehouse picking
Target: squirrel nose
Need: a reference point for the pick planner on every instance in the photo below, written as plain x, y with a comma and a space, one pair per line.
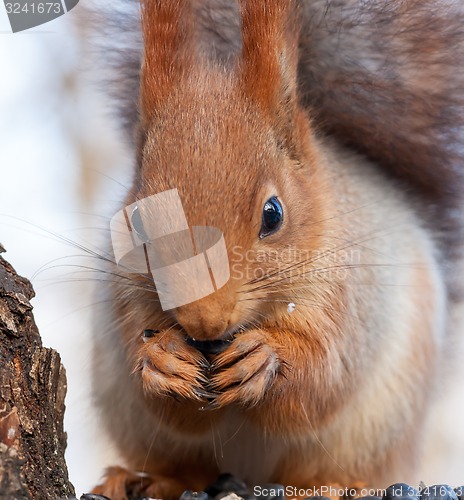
203, 320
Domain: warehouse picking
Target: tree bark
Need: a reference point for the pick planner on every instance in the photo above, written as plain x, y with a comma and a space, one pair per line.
32, 392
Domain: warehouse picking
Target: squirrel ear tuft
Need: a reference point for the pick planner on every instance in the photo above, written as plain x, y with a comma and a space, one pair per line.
268, 67
166, 30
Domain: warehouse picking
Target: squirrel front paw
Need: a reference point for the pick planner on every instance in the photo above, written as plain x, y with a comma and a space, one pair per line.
169, 366
244, 371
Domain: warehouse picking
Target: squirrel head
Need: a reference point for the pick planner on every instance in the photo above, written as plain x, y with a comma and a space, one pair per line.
239, 149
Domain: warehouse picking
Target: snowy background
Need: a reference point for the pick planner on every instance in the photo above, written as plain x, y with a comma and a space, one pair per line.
62, 166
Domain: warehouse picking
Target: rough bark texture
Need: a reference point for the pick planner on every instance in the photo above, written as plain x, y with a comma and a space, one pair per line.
32, 392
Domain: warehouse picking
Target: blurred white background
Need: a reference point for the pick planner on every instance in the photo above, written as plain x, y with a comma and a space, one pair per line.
62, 162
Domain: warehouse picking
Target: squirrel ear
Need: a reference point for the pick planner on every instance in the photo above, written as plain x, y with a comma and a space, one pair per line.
165, 59
269, 62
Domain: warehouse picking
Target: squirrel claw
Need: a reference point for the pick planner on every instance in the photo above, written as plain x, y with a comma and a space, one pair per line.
205, 394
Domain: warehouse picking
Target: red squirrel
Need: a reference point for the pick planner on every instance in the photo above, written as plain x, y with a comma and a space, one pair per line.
330, 132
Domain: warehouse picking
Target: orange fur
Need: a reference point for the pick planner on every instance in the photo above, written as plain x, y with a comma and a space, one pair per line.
164, 58
267, 55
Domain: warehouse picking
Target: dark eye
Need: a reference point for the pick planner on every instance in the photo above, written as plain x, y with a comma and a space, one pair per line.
137, 225
273, 216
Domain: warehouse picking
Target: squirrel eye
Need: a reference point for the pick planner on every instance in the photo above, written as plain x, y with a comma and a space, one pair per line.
137, 225
273, 216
